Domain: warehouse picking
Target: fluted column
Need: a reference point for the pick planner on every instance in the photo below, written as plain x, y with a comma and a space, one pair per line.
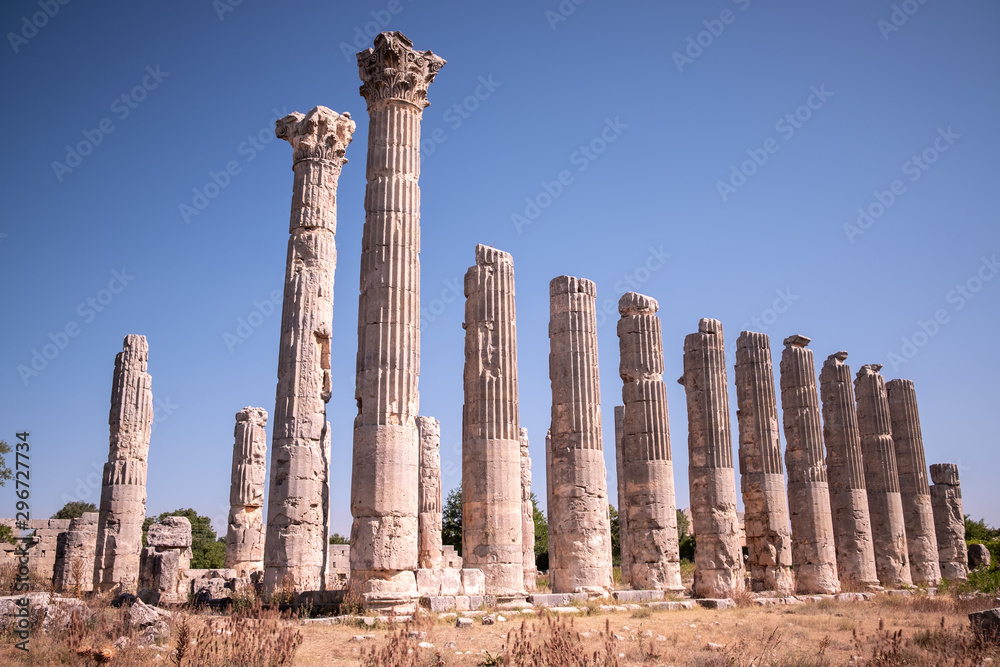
74, 563
881, 479
245, 535
385, 474
718, 556
654, 562
578, 492
123, 486
762, 475
949, 522
430, 517
491, 451
814, 553
527, 516
624, 548
852, 529
914, 491
298, 504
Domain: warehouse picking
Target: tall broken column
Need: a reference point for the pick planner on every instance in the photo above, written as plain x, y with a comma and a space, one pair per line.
245, 534
881, 479
491, 450
762, 475
579, 526
625, 564
814, 552
298, 504
914, 491
74, 564
384, 479
123, 487
949, 522
430, 555
852, 529
527, 517
654, 561
718, 556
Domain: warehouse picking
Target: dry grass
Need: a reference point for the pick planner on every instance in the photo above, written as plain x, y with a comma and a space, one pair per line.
887, 631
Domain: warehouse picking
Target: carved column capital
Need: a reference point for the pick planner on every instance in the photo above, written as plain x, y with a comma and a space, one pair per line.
393, 70
320, 134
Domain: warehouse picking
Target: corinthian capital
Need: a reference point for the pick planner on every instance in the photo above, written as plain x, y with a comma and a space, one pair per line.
320, 134
393, 70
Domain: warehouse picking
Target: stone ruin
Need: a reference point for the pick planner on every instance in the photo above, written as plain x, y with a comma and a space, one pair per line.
865, 514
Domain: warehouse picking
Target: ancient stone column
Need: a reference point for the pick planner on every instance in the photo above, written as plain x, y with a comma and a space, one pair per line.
762, 475
718, 556
949, 522
430, 517
654, 562
814, 552
74, 566
491, 452
298, 504
384, 480
527, 516
245, 535
914, 492
579, 525
165, 558
881, 480
623, 534
852, 529
123, 488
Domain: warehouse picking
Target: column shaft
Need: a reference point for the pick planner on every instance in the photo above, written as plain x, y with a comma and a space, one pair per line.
527, 516
430, 517
245, 535
949, 522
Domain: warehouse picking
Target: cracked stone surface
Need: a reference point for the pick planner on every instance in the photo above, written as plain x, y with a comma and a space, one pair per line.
245, 533
74, 560
430, 554
949, 521
527, 516
123, 488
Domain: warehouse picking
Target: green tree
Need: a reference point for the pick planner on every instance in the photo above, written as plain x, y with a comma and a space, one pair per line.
74, 510
451, 520
207, 551
685, 540
541, 528
5, 472
978, 531
337, 538
616, 537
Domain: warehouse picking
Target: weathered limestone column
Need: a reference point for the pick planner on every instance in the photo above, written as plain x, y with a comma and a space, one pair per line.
762, 475
245, 534
527, 516
814, 552
579, 526
491, 451
384, 479
298, 504
881, 480
718, 556
915, 493
852, 529
654, 562
74, 566
164, 560
429, 520
123, 488
623, 534
949, 521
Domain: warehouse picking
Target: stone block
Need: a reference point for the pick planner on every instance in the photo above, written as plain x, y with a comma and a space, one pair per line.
473, 582
429, 582
717, 603
637, 596
556, 599
438, 603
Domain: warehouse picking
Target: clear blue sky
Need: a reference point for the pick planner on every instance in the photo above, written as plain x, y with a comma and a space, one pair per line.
640, 122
